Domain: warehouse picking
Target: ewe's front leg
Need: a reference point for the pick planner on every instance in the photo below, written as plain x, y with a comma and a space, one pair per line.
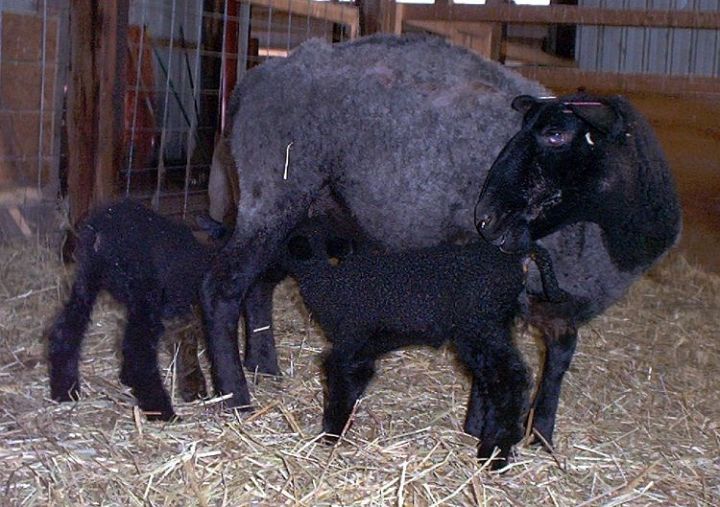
560, 340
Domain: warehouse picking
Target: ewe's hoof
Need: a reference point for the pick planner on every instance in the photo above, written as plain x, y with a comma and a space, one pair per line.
541, 443
63, 396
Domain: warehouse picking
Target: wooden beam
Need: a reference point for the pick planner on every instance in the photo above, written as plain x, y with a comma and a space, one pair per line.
98, 48
567, 79
337, 13
564, 14
482, 38
112, 76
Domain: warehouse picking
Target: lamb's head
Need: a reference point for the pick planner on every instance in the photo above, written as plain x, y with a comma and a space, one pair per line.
552, 172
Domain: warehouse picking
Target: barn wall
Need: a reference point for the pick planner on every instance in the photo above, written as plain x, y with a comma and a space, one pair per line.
670, 51
31, 102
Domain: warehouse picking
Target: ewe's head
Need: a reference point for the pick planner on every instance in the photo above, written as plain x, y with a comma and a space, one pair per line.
553, 171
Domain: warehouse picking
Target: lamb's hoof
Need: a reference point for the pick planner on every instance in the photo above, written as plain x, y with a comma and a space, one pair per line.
330, 438
500, 460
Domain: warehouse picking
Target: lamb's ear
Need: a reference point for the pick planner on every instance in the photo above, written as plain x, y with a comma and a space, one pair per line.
599, 115
214, 229
523, 103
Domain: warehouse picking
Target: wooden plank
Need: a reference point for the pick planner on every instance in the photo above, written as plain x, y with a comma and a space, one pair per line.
482, 38
565, 79
112, 69
98, 48
81, 109
337, 13
564, 14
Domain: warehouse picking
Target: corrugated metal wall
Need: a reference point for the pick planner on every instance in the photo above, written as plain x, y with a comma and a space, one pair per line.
669, 51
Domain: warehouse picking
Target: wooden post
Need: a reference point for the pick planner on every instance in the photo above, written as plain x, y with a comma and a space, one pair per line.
95, 101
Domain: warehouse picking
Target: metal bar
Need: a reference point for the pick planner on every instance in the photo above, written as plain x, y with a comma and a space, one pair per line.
195, 84
163, 132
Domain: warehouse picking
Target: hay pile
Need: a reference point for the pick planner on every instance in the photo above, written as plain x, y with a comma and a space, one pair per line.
639, 421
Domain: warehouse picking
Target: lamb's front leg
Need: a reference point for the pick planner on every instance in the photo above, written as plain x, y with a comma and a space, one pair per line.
140, 365
346, 377
498, 397
66, 335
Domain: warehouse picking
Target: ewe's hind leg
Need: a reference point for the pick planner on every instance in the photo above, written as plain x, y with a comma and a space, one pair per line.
498, 396
139, 365
260, 353
560, 342
262, 226
346, 377
66, 335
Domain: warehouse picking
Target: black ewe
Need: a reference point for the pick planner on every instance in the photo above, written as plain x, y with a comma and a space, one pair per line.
402, 132
370, 304
154, 267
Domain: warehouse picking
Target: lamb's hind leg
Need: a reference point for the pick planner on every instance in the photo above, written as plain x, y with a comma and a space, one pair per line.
260, 352
66, 335
498, 396
139, 365
190, 379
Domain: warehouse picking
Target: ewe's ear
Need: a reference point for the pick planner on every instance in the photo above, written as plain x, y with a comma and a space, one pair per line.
599, 115
523, 103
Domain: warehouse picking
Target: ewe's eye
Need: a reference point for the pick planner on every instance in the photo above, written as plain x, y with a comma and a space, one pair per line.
555, 137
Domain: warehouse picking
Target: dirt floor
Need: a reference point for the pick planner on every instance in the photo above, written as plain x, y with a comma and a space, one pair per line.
639, 422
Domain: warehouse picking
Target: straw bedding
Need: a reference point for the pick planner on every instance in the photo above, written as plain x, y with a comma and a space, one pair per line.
639, 422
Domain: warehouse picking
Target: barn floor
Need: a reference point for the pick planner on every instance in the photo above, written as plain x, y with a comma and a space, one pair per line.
639, 421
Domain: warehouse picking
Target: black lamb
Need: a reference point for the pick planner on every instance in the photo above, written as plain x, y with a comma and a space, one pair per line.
154, 267
370, 304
